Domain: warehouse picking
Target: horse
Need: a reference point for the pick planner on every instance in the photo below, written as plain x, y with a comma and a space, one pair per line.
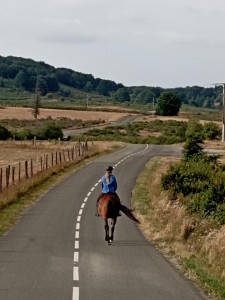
109, 207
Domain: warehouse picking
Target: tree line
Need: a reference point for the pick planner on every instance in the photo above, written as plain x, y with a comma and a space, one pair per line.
22, 73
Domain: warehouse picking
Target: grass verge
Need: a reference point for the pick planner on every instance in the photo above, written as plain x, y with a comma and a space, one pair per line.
16, 199
187, 239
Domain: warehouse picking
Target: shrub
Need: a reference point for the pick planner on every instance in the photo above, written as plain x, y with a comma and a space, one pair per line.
202, 203
4, 133
51, 132
211, 131
201, 181
220, 214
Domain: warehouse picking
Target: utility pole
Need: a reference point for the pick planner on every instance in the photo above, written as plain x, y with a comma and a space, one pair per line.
153, 106
223, 110
87, 100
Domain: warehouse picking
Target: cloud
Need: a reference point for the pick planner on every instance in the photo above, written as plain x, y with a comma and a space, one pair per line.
67, 37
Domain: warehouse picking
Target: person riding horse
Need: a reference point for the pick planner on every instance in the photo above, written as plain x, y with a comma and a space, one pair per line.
109, 186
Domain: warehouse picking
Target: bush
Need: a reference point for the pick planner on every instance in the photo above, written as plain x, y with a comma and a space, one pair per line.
202, 203
211, 131
201, 181
220, 214
51, 132
4, 133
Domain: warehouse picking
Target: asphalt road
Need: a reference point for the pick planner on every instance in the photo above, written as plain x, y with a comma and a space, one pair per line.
123, 121
57, 251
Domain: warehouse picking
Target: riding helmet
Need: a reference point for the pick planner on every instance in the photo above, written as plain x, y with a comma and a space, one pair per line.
109, 168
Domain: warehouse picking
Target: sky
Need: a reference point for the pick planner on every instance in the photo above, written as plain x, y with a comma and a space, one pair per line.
166, 43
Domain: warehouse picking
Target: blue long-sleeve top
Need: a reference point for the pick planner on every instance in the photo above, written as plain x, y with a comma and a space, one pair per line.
109, 187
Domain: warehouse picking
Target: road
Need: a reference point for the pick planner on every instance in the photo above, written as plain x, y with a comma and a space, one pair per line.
123, 121
56, 251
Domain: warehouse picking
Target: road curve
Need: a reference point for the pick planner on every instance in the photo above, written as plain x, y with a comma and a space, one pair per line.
123, 121
57, 251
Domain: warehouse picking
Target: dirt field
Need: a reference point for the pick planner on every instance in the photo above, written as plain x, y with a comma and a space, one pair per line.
25, 114
13, 152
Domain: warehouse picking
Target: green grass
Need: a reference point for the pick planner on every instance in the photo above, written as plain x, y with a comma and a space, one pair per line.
142, 199
211, 284
170, 132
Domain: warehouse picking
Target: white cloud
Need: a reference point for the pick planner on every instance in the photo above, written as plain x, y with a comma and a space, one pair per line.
136, 42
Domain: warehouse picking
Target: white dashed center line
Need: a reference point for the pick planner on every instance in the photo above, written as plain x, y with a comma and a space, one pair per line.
75, 295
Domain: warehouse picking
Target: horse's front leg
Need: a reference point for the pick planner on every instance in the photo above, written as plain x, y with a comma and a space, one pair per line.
106, 230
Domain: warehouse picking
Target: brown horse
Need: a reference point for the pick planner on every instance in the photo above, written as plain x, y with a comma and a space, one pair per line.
109, 207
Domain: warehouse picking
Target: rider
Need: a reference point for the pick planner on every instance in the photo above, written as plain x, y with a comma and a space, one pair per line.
109, 186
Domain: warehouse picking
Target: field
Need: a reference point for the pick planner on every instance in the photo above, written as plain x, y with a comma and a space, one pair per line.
22, 113
12, 152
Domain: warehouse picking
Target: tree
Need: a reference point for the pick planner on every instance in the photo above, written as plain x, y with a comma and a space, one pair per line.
88, 86
52, 83
4, 133
168, 105
21, 79
193, 146
121, 95
52, 131
37, 100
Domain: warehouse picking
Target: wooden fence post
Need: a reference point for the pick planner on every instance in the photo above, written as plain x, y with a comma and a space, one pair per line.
7, 173
1, 180
19, 171
26, 168
31, 168
68, 151
46, 161
79, 152
13, 174
86, 144
72, 154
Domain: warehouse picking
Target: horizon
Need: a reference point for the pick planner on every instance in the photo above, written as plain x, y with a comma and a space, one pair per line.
137, 43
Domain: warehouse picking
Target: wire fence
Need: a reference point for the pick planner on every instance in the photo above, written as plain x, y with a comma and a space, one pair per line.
14, 173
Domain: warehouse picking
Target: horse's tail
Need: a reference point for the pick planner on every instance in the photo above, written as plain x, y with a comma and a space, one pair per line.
128, 213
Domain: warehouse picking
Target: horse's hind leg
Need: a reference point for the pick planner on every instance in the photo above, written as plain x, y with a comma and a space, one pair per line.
113, 223
106, 231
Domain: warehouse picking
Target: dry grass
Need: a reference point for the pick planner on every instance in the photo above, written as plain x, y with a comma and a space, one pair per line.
112, 107
22, 113
13, 152
30, 190
182, 117
168, 225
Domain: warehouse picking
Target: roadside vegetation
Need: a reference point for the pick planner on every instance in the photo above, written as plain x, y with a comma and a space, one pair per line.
180, 202
18, 197
42, 129
181, 206
153, 132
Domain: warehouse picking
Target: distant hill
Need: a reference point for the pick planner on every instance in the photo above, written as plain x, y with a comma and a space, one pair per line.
23, 76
